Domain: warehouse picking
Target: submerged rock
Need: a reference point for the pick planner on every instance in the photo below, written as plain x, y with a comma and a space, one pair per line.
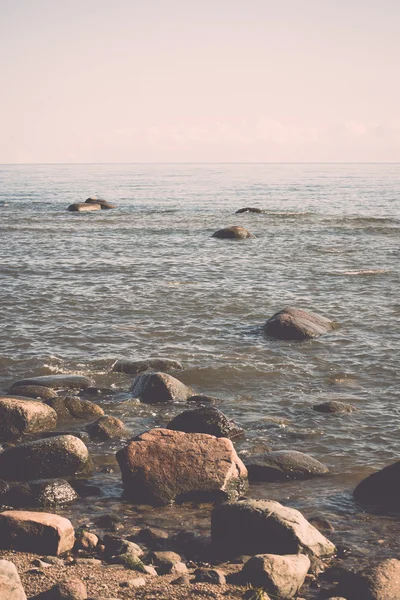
40, 493
77, 382
72, 406
107, 428
63, 456
161, 465
38, 532
206, 419
83, 206
10, 583
33, 391
280, 576
249, 209
297, 324
381, 488
132, 367
157, 388
282, 465
334, 407
104, 204
233, 233
265, 527
20, 416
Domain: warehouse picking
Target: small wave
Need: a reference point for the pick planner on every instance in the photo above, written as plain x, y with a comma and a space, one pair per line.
287, 215
363, 272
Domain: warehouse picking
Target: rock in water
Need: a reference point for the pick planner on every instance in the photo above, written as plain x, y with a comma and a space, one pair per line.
160, 466
41, 493
104, 204
265, 527
249, 209
72, 406
381, 488
77, 382
282, 465
20, 416
233, 233
334, 407
280, 576
107, 428
297, 324
83, 207
10, 583
156, 388
63, 456
131, 367
33, 391
38, 532
205, 419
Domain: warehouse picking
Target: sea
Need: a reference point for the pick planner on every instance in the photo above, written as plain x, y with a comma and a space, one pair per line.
147, 279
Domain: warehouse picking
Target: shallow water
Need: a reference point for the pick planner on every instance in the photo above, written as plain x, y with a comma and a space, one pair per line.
147, 279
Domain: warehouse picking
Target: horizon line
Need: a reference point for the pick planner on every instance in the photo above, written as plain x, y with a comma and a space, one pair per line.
355, 162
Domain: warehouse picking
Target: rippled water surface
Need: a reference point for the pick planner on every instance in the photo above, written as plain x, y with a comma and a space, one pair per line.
147, 279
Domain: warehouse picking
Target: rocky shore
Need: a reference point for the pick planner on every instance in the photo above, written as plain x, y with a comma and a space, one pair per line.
254, 549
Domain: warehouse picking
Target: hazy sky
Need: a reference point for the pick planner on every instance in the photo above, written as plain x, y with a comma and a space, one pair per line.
211, 80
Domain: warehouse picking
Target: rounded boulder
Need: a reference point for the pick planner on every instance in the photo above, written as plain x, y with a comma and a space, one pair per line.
233, 233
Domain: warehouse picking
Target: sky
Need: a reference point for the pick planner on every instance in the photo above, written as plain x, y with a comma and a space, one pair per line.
184, 81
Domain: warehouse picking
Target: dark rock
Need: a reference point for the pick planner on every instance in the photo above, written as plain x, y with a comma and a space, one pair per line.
161, 465
86, 541
107, 428
83, 207
77, 382
82, 435
182, 580
152, 538
381, 488
233, 233
38, 532
378, 582
132, 367
214, 576
41, 493
203, 400
280, 576
20, 416
108, 522
283, 465
168, 562
10, 583
265, 527
206, 419
157, 388
333, 406
69, 589
321, 524
249, 210
116, 546
33, 391
85, 489
72, 406
297, 324
61, 456
4, 488
104, 204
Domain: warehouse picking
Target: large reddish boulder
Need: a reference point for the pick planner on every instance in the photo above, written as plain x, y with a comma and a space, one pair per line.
19, 416
160, 466
297, 324
38, 532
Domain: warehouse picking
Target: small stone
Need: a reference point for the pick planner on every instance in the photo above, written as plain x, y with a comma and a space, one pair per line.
279, 576
149, 570
107, 428
214, 576
167, 562
182, 580
158, 388
69, 589
86, 541
137, 582
206, 419
94, 562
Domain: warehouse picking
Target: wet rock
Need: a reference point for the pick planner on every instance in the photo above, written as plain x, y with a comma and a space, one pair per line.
157, 388
168, 562
77, 382
86, 541
249, 209
334, 407
82, 435
71, 588
378, 582
116, 546
41, 493
381, 488
83, 207
280, 576
20, 416
107, 428
206, 419
33, 391
265, 527
152, 538
283, 465
132, 367
297, 324
160, 466
72, 406
233, 233
61, 456
104, 204
321, 524
108, 522
85, 489
10, 583
203, 400
38, 532
214, 576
